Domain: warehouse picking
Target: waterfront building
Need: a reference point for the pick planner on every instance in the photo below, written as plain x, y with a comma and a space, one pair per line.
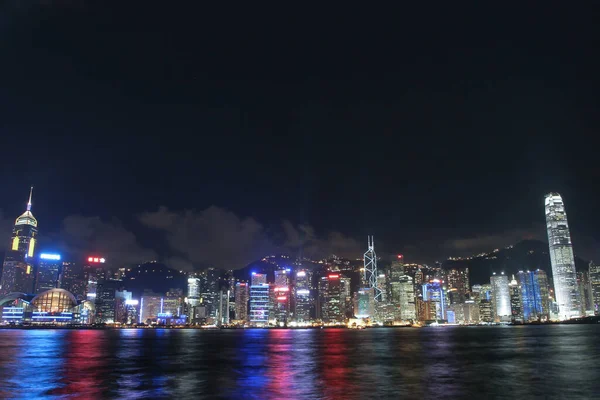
223, 310
486, 313
585, 293
458, 279
17, 269
594, 272
403, 297
259, 303
193, 290
242, 295
534, 295
331, 299
303, 300
561, 257
516, 306
364, 303
500, 297
434, 298
48, 272
150, 307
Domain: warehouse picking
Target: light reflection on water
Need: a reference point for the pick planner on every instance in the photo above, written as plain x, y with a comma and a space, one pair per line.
453, 362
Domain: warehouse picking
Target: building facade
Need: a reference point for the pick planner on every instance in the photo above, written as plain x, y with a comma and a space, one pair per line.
566, 290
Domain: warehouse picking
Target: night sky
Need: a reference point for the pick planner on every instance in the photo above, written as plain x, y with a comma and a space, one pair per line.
204, 136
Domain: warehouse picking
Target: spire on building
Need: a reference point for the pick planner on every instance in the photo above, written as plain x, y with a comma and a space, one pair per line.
29, 202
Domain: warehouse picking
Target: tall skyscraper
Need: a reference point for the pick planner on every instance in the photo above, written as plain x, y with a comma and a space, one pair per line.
259, 304
73, 279
370, 268
434, 299
241, 301
303, 301
561, 256
17, 269
500, 297
516, 304
48, 272
193, 292
364, 303
594, 271
458, 278
534, 295
331, 298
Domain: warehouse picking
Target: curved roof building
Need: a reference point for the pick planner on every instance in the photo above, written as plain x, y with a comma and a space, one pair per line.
54, 300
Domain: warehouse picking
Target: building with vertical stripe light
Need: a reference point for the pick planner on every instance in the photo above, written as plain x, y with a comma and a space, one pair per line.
566, 289
17, 269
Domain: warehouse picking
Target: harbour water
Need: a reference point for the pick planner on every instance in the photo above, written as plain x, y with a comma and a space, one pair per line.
558, 361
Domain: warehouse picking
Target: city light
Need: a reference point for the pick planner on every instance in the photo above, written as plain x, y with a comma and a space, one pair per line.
282, 289
48, 256
301, 274
132, 302
96, 260
335, 276
302, 291
281, 298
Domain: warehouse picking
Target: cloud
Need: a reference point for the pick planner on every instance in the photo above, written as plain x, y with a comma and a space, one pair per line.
81, 235
305, 241
219, 238
212, 237
486, 243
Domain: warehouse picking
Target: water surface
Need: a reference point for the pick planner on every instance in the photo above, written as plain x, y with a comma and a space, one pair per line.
560, 361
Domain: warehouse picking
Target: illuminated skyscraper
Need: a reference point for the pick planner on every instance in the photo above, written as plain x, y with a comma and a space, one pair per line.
534, 295
241, 301
48, 272
594, 271
561, 256
17, 270
193, 291
302, 296
364, 303
370, 268
434, 297
516, 304
458, 278
500, 297
259, 304
331, 298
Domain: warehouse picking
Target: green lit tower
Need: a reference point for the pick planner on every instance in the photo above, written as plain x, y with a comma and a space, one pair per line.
17, 269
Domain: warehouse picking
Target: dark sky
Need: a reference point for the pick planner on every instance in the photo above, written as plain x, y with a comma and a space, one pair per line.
437, 130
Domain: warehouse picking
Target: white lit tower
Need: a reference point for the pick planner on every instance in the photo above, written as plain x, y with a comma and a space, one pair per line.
561, 256
370, 276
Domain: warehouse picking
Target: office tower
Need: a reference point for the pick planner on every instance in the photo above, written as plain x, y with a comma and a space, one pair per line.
561, 256
486, 313
281, 303
370, 268
150, 307
364, 303
106, 301
403, 297
516, 306
382, 287
48, 272
585, 293
17, 269
193, 291
209, 291
331, 299
73, 279
223, 310
282, 277
500, 297
434, 297
303, 300
458, 278
123, 299
241, 301
465, 313
259, 301
594, 272
397, 268
534, 295
346, 296
258, 279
